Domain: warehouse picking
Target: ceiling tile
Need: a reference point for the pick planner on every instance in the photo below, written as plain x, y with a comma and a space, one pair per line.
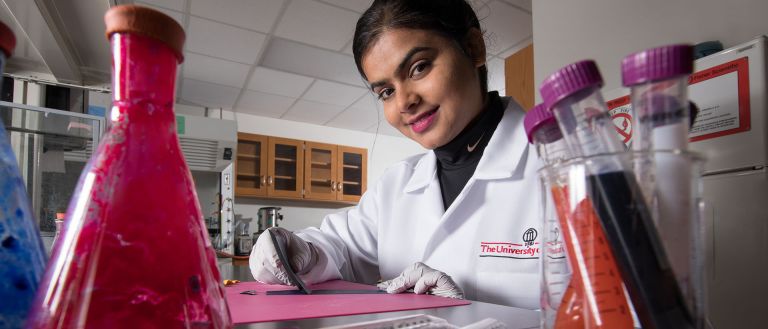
359, 116
177, 5
279, 83
263, 104
495, 73
384, 128
289, 56
505, 26
224, 41
177, 16
312, 112
333, 93
348, 49
317, 24
249, 14
520, 45
205, 68
208, 94
522, 4
353, 118
356, 5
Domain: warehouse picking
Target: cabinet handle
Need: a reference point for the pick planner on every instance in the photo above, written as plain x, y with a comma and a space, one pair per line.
269, 180
333, 186
263, 180
338, 186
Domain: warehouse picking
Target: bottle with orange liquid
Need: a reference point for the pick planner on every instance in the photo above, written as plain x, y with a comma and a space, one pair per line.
586, 291
134, 252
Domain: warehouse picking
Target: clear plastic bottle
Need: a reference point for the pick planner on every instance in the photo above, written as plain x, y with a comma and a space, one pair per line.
573, 94
580, 293
22, 254
135, 252
658, 80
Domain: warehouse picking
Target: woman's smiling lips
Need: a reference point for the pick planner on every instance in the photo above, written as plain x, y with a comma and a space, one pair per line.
422, 122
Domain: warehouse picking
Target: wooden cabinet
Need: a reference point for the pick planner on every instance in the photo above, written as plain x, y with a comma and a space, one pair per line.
321, 174
285, 167
251, 165
334, 172
352, 174
281, 168
269, 166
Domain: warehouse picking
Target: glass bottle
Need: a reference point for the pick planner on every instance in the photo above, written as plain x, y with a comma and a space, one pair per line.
134, 252
22, 255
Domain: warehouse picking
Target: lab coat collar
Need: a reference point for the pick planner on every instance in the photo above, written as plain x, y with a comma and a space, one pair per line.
503, 156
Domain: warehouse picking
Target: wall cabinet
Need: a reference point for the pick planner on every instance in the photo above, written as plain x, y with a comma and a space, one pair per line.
334, 172
281, 168
269, 166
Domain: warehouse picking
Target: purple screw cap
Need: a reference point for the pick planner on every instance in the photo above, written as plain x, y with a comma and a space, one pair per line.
657, 64
569, 80
536, 118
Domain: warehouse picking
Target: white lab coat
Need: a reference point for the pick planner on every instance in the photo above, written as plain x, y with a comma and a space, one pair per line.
479, 240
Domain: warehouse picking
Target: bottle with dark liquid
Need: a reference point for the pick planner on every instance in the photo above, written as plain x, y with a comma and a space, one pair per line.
135, 252
573, 94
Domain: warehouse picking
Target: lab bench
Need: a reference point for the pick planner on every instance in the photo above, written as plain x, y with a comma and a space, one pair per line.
514, 318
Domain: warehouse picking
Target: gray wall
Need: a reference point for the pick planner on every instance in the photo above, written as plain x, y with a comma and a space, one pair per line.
608, 30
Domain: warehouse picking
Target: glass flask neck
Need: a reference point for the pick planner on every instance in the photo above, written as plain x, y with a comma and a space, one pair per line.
144, 69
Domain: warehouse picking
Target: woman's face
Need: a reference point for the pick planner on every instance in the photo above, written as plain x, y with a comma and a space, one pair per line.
429, 87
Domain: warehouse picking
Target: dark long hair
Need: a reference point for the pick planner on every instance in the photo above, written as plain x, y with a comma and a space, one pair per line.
451, 18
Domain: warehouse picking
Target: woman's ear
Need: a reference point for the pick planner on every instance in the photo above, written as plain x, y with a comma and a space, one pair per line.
475, 46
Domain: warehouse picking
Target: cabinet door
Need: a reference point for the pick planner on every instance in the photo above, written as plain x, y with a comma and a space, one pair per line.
320, 171
352, 174
285, 175
251, 165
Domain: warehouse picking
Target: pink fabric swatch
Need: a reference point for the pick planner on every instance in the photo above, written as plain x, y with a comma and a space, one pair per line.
262, 308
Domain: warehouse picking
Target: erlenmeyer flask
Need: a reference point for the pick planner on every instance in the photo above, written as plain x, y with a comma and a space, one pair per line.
22, 256
135, 252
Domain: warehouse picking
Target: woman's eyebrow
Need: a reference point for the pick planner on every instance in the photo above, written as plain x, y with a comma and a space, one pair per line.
403, 63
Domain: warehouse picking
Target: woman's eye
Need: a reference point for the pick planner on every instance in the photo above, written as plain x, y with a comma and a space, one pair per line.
385, 93
419, 68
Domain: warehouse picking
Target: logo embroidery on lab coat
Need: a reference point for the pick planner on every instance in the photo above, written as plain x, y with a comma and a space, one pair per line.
529, 249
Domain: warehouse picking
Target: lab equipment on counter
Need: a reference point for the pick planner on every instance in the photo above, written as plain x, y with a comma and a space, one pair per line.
581, 286
243, 240
268, 217
135, 253
573, 94
666, 172
22, 255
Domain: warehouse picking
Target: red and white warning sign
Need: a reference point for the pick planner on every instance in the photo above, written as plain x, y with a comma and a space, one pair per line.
723, 103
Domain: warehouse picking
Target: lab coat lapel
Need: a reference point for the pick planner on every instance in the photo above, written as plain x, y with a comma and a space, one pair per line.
504, 157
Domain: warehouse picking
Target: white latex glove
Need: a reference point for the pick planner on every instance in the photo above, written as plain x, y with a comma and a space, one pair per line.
302, 256
423, 279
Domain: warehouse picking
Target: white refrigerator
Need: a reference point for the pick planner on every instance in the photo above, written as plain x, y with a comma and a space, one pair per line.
731, 130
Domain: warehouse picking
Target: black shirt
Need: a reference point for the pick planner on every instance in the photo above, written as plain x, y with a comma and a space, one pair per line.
457, 160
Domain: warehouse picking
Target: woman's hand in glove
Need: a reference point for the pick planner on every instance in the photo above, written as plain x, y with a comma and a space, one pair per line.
265, 264
423, 279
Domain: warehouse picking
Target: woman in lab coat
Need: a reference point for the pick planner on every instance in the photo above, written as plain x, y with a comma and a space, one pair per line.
461, 220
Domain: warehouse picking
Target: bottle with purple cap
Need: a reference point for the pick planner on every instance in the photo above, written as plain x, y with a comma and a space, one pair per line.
666, 171
573, 94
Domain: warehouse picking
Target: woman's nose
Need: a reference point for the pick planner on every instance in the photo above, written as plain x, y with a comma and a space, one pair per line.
407, 100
